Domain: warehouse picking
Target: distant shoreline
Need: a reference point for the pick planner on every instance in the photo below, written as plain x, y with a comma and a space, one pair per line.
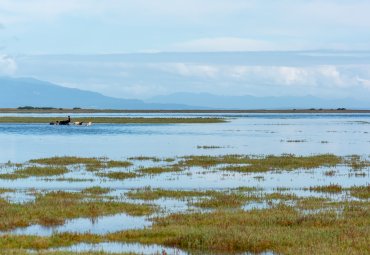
118, 120
65, 110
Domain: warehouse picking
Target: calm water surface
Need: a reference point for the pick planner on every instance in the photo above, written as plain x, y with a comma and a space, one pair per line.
244, 134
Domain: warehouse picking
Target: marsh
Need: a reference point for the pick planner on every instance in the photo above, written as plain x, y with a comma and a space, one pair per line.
173, 187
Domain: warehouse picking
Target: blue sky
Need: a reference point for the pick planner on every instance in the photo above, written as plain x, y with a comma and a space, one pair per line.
91, 27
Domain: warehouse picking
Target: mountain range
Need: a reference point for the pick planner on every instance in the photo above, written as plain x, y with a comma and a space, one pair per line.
16, 92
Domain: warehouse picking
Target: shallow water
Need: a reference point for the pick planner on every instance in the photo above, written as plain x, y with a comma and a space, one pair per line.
112, 247
205, 179
100, 225
244, 134
136, 248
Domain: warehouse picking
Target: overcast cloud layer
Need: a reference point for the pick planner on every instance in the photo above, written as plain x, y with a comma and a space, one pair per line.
31, 28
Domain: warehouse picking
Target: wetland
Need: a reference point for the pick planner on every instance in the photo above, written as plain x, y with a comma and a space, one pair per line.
243, 184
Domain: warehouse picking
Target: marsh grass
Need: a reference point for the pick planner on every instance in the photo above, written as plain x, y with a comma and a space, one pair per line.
332, 188
280, 196
66, 160
2, 190
245, 163
280, 229
119, 175
96, 190
145, 158
91, 164
234, 163
225, 200
314, 203
247, 189
54, 208
290, 224
116, 164
35, 171
200, 198
148, 193
286, 162
362, 192
159, 169
357, 162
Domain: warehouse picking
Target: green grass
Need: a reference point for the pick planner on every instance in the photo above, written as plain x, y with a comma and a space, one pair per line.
66, 160
357, 162
107, 120
225, 200
34, 171
91, 164
145, 158
262, 163
119, 175
204, 198
280, 196
280, 229
362, 192
96, 190
115, 163
332, 188
2, 190
54, 208
159, 169
148, 193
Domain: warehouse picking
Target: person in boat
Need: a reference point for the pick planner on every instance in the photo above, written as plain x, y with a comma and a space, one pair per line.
65, 122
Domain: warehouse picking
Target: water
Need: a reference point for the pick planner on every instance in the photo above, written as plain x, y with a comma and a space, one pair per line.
243, 134
112, 247
100, 225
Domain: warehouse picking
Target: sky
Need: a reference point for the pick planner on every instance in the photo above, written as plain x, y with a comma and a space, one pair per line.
31, 30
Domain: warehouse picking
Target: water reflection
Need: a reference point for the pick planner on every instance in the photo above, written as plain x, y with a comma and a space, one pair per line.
100, 225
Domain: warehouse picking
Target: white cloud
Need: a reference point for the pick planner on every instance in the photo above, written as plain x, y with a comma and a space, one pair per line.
189, 70
122, 76
8, 66
321, 76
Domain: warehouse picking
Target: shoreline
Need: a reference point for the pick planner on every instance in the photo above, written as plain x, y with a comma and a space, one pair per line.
114, 120
68, 110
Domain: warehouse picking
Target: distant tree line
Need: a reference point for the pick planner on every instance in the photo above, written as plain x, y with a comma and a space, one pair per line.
43, 108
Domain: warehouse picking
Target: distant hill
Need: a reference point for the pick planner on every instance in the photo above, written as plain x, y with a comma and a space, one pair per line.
250, 102
15, 92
